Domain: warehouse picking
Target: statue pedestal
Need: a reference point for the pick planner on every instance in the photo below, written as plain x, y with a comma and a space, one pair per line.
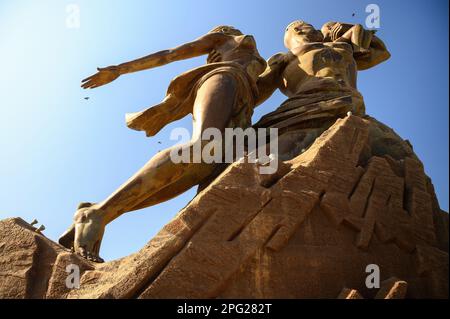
357, 197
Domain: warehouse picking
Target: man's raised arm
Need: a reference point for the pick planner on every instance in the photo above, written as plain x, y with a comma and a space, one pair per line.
377, 53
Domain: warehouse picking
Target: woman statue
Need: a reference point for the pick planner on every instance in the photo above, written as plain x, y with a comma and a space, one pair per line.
220, 94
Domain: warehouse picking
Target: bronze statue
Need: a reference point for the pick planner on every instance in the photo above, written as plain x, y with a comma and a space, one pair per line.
318, 74
220, 94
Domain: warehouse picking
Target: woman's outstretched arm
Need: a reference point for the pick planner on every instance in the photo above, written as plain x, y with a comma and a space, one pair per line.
201, 46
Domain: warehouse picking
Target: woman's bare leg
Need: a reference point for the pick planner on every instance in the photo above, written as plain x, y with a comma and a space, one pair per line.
212, 108
172, 190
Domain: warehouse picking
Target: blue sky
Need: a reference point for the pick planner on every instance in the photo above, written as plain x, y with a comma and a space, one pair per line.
59, 149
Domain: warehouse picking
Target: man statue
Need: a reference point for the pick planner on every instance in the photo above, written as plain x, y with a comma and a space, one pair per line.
318, 74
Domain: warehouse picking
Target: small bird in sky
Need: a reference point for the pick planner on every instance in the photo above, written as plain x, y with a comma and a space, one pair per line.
86, 98
353, 14
159, 142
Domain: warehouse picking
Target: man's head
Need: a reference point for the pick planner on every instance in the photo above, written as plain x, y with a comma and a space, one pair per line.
300, 32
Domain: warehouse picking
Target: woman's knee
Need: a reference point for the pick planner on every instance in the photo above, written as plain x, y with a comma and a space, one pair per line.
199, 150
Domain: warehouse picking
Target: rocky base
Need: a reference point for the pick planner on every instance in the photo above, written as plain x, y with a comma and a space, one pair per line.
357, 196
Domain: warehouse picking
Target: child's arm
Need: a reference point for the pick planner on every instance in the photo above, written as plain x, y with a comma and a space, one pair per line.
368, 49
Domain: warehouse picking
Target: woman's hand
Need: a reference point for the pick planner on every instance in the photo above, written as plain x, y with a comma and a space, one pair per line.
102, 77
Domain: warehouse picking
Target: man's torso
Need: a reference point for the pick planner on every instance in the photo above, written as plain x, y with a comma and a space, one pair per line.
319, 66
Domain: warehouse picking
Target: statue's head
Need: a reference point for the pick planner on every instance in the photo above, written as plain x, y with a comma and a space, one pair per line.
300, 32
226, 29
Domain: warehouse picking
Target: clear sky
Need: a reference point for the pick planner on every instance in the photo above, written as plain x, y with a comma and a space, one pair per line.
58, 149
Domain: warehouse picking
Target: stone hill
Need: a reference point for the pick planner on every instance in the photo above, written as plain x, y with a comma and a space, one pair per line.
357, 196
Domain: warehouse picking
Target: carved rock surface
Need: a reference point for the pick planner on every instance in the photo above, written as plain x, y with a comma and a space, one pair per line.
357, 196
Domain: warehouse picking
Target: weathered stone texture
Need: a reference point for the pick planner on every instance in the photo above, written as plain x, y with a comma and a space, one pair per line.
357, 196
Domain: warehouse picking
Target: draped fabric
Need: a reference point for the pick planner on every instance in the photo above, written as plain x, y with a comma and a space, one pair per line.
313, 110
180, 98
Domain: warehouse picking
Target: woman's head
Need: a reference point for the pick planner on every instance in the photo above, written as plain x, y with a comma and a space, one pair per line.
226, 29
300, 32
214, 56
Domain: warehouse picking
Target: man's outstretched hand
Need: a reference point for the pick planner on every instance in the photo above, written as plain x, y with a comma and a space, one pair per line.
102, 77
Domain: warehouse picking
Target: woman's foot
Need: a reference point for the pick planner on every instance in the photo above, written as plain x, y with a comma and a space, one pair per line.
89, 227
68, 237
